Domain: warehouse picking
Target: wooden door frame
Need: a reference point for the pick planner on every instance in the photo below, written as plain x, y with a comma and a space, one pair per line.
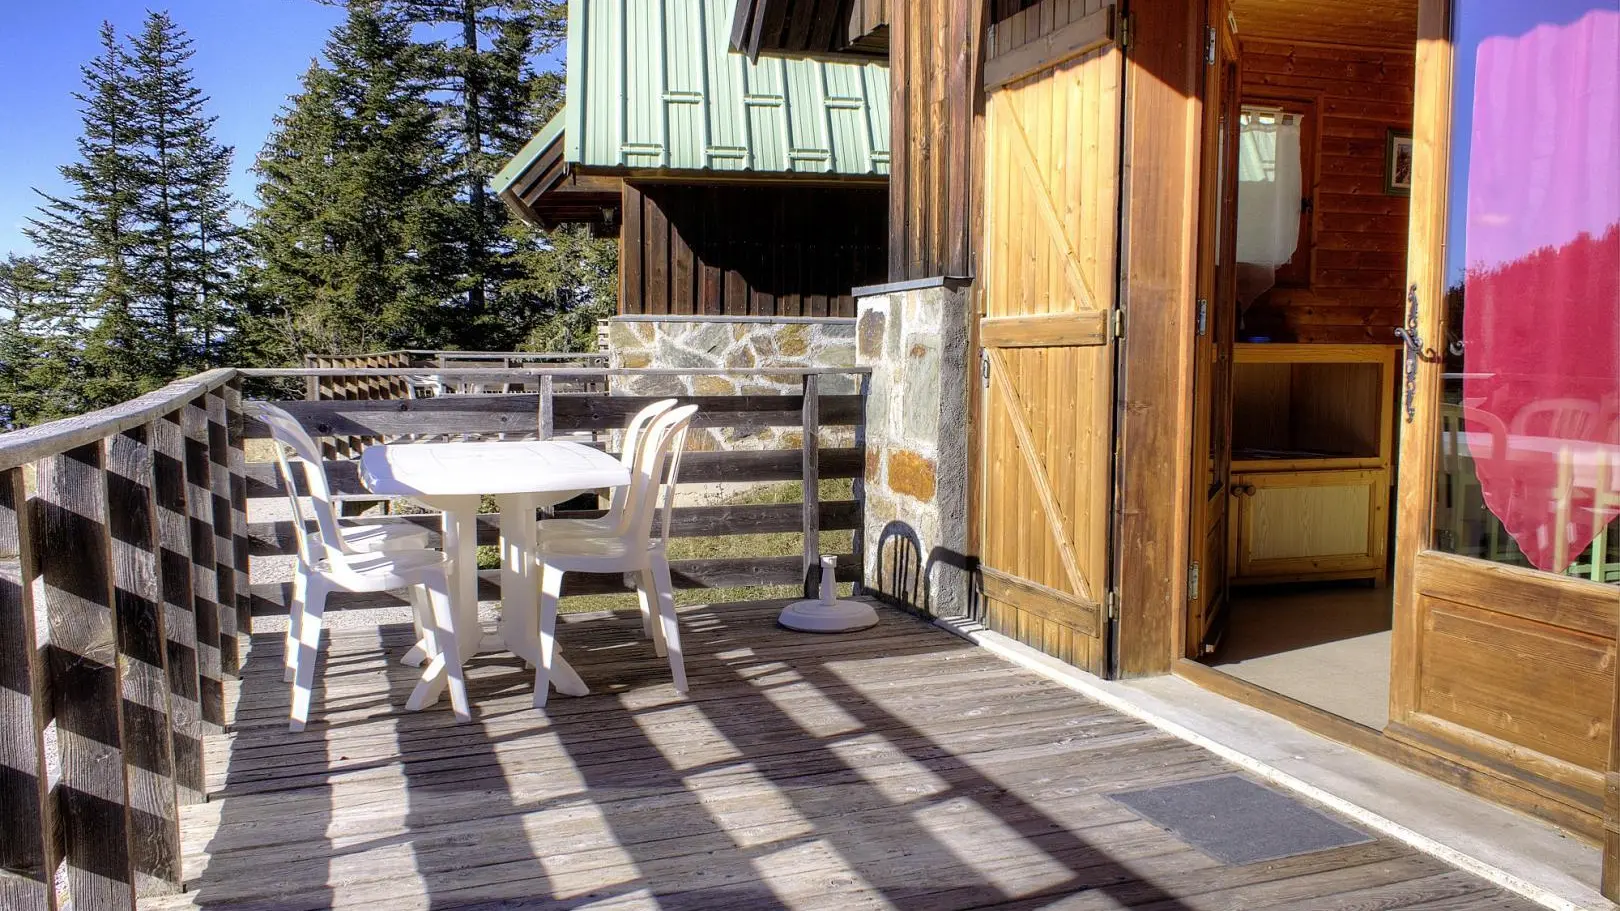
1163, 124
1214, 241
1425, 292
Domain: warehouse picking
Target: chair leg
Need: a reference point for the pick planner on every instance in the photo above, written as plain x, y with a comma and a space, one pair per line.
666, 616
309, 643
551, 579
295, 625
647, 593
443, 634
649, 630
422, 618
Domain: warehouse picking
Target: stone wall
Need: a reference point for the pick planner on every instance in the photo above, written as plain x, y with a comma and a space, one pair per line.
916, 342
730, 343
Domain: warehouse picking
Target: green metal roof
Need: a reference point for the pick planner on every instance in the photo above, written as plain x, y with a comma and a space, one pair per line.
652, 84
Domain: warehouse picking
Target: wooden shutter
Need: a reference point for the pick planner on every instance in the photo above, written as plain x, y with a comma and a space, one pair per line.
1052, 145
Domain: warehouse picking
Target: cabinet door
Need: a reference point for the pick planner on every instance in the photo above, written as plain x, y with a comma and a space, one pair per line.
1300, 525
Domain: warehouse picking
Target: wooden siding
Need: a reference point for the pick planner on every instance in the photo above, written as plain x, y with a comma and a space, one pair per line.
936, 113
1353, 283
899, 768
749, 250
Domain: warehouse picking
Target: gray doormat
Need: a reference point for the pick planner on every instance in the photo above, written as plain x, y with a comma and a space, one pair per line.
1237, 821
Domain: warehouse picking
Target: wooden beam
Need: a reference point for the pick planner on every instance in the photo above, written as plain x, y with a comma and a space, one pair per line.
1081, 615
1079, 37
1053, 330
31, 849
76, 583
132, 521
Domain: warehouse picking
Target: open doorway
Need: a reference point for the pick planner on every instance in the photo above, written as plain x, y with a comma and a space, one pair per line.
1303, 239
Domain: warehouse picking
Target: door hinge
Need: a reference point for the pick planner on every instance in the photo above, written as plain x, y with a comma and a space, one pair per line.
1209, 44
984, 367
1192, 582
1111, 606
1201, 320
1116, 322
1124, 32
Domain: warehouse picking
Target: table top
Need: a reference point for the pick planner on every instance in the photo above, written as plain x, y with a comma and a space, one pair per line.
492, 468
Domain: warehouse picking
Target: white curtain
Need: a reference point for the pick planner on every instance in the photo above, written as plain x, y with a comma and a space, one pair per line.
1269, 195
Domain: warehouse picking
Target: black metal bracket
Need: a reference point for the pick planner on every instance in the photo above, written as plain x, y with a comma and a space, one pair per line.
1415, 350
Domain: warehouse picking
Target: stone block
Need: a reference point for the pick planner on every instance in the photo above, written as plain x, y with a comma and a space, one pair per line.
869, 333
922, 378
911, 474
712, 385
793, 340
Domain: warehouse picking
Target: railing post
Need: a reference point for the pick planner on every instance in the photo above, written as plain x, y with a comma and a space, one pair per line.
179, 605
72, 545
546, 421
219, 513
204, 588
236, 466
30, 850
142, 662
812, 486
858, 488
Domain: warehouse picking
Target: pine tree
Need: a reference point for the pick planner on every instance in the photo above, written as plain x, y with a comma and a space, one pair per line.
186, 248
38, 355
355, 209
484, 81
86, 236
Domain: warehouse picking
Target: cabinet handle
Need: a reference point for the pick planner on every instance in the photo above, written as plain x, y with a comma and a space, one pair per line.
1242, 490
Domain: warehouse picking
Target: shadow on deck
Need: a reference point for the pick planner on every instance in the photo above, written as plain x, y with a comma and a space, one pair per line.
895, 768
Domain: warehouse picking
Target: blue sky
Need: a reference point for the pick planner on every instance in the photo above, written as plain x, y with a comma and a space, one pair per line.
250, 54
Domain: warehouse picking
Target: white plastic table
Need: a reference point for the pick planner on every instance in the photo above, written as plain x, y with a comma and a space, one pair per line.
522, 477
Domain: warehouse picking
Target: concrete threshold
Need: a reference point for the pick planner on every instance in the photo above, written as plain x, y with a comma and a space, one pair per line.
1517, 852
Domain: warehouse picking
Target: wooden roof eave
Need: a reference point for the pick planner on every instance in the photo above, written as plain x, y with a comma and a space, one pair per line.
828, 30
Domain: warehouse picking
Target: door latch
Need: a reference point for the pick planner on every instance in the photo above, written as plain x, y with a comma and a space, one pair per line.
1415, 350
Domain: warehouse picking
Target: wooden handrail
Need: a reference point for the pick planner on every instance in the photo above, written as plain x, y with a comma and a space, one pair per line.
123, 599
515, 372
31, 444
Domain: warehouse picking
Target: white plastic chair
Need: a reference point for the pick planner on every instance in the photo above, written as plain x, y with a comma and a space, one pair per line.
328, 563
634, 436
629, 550
360, 537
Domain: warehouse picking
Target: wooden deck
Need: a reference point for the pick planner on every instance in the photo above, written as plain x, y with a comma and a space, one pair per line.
897, 768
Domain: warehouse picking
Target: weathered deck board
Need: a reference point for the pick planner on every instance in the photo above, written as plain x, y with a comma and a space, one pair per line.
896, 768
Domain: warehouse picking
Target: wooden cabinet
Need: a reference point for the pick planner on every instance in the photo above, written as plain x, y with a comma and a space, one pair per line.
1290, 526
1312, 437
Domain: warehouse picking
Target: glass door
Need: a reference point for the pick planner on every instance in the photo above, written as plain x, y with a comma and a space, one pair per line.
1508, 554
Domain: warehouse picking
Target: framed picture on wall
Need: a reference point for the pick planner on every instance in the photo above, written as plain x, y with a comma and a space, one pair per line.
1398, 163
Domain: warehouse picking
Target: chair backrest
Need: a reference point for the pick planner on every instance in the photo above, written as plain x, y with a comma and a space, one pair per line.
665, 440
289, 434
634, 436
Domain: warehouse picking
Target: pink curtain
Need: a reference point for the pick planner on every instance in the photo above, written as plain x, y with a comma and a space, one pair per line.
1542, 316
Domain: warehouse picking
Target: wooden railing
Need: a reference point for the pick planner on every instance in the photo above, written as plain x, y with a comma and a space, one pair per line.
341, 379
125, 596
548, 412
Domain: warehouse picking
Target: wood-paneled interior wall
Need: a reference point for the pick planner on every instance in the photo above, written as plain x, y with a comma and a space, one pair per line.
707, 250
936, 114
1359, 260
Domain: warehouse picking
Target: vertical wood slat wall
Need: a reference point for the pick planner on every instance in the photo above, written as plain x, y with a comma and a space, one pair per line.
691, 250
355, 388
102, 621
1358, 267
936, 112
